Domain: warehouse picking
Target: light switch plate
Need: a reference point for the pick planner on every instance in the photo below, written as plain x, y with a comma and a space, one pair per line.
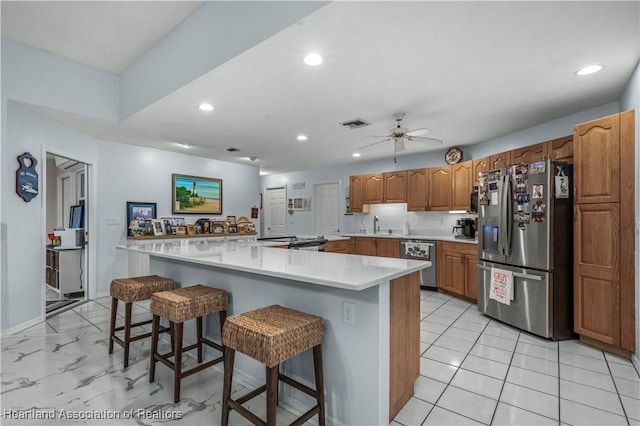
113, 220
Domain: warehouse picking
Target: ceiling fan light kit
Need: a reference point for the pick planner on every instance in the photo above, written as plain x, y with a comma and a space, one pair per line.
399, 134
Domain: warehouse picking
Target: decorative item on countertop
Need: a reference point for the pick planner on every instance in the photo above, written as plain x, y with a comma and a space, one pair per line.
217, 226
254, 212
27, 177
561, 183
140, 211
405, 227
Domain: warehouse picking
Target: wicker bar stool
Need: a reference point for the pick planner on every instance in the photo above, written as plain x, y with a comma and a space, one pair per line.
178, 306
131, 290
272, 335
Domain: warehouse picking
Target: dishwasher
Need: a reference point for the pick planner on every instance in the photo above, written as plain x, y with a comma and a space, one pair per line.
422, 250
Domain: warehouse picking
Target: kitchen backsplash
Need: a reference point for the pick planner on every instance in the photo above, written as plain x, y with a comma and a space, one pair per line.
392, 216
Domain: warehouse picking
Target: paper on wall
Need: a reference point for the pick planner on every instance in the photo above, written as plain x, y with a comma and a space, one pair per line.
501, 286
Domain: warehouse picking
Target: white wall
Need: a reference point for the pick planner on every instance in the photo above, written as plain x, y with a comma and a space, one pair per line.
631, 100
124, 173
302, 222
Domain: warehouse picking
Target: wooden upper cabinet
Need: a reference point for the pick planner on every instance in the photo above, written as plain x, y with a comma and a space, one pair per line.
597, 161
395, 187
439, 192
356, 193
417, 190
561, 149
462, 183
480, 165
373, 189
529, 154
388, 247
497, 161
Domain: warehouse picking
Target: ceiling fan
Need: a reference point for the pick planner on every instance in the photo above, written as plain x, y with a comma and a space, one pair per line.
399, 134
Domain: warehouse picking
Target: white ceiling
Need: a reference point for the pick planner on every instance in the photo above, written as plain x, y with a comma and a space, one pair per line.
470, 71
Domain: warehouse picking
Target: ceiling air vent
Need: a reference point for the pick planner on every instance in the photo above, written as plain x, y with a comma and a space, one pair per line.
233, 149
355, 124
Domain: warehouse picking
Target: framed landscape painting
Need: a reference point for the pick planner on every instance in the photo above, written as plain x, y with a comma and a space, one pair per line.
197, 195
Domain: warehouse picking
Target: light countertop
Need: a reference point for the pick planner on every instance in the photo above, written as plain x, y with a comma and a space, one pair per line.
415, 237
346, 271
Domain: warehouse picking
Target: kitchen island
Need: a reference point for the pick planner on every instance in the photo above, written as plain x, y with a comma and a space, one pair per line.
370, 365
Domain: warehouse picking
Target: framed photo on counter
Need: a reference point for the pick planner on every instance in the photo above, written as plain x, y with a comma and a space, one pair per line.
140, 211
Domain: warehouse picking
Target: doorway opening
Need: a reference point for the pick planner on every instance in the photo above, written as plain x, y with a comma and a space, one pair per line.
326, 208
66, 223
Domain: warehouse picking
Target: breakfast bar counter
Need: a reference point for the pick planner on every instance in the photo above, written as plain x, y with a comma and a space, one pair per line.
371, 359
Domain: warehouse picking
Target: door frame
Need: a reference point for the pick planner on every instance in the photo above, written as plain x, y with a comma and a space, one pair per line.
267, 218
315, 198
91, 191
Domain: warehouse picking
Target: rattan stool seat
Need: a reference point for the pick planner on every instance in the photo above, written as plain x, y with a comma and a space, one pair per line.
139, 288
187, 303
272, 334
129, 290
178, 306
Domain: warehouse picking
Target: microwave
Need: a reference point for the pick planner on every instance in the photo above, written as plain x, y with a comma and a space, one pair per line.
70, 237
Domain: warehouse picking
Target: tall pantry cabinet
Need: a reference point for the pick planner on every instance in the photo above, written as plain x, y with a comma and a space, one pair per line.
604, 294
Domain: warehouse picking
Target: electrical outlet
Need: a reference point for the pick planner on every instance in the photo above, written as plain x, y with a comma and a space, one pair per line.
348, 313
441, 221
113, 220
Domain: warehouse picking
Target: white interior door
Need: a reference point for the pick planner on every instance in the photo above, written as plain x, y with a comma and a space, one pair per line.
326, 208
275, 217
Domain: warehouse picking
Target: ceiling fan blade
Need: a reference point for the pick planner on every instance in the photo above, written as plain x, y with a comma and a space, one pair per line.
379, 136
418, 132
426, 140
372, 144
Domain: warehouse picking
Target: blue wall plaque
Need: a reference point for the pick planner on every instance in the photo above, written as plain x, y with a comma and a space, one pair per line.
27, 177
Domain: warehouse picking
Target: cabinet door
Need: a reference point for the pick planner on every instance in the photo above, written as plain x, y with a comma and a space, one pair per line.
597, 272
529, 154
461, 174
388, 247
454, 272
356, 193
417, 190
480, 165
366, 246
439, 192
471, 284
395, 187
561, 149
373, 189
339, 246
500, 160
596, 160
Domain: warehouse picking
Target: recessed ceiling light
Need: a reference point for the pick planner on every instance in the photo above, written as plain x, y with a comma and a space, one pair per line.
356, 154
302, 137
206, 107
184, 145
589, 69
313, 59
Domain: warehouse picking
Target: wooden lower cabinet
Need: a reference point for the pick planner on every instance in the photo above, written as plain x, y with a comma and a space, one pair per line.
371, 246
340, 246
457, 271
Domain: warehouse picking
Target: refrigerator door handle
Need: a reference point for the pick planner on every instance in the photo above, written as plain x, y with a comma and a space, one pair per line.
502, 237
509, 219
516, 274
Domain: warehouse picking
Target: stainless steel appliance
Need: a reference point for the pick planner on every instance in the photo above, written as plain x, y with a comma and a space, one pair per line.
465, 228
421, 250
526, 229
316, 244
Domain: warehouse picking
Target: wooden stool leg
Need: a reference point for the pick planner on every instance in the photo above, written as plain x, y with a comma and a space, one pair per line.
114, 315
154, 347
229, 355
177, 362
199, 338
317, 366
172, 331
272, 391
127, 332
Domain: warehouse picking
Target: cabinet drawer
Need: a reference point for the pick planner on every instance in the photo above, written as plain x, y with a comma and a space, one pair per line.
466, 248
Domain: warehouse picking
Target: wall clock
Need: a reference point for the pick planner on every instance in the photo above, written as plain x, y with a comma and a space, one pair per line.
453, 155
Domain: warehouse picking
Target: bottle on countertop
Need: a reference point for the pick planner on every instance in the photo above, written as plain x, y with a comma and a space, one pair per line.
405, 227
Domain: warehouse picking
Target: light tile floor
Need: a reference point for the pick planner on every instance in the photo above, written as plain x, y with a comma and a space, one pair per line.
474, 370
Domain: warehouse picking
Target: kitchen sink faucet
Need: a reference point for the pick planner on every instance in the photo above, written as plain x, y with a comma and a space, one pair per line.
376, 227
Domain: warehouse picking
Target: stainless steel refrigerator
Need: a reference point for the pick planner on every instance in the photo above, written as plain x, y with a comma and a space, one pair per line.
525, 227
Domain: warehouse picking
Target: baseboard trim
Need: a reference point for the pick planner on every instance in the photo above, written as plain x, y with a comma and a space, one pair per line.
20, 327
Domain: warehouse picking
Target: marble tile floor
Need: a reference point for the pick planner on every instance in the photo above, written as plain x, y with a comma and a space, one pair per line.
474, 370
